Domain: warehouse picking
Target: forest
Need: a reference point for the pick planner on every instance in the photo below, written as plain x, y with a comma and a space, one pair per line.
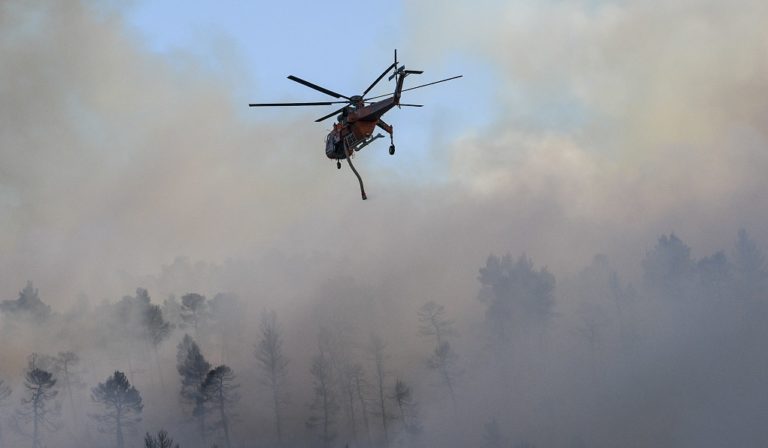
672, 356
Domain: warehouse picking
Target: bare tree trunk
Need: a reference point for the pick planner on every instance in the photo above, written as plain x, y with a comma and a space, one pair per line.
201, 421
382, 407
276, 404
363, 407
224, 421
449, 384
119, 429
157, 365
402, 413
69, 393
351, 408
326, 417
36, 416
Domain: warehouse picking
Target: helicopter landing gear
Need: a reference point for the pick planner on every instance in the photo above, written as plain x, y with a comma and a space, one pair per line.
391, 150
338, 164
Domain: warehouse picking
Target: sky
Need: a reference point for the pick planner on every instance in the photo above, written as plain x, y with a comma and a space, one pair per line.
601, 125
316, 41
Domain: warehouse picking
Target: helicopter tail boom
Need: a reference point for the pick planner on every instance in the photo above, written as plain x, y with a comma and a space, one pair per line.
401, 73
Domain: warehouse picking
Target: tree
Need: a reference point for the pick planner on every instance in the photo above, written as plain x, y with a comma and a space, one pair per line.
140, 320
227, 315
172, 310
27, 307
714, 276
432, 322
220, 393
193, 310
162, 440
35, 405
122, 406
492, 437
516, 295
5, 392
143, 319
324, 406
359, 385
193, 369
157, 330
347, 378
443, 360
63, 367
127, 320
42, 362
332, 341
751, 273
668, 269
376, 348
402, 397
273, 364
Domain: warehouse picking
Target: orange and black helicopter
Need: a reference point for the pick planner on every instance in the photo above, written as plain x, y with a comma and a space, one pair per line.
359, 116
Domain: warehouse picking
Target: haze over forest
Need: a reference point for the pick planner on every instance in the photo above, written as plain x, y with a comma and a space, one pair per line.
586, 268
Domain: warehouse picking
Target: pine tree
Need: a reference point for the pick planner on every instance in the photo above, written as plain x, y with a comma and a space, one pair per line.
360, 386
35, 405
376, 348
194, 310
220, 392
273, 364
433, 322
64, 367
157, 330
28, 306
324, 406
122, 406
5, 392
516, 295
227, 315
402, 396
751, 272
162, 441
668, 269
443, 359
193, 369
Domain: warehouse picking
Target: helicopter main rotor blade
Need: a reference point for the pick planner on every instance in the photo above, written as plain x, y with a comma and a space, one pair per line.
316, 103
418, 87
325, 117
316, 87
412, 105
379, 79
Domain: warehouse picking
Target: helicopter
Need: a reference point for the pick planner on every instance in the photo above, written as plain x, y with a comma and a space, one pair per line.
359, 116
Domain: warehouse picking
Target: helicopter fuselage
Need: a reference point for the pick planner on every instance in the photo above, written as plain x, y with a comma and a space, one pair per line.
355, 127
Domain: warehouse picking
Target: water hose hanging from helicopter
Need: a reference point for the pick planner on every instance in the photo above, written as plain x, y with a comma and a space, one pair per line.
359, 179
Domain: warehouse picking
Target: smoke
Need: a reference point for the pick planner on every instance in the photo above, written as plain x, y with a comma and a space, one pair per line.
618, 122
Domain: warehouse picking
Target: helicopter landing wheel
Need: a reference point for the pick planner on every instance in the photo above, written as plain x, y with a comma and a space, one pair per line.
391, 150
338, 165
